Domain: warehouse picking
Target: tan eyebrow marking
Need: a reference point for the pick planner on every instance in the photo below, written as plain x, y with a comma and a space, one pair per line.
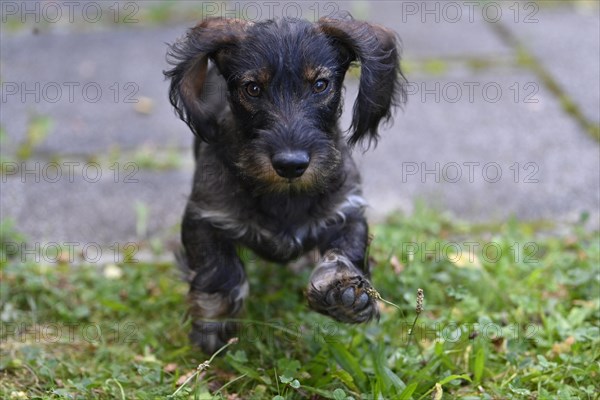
311, 73
261, 76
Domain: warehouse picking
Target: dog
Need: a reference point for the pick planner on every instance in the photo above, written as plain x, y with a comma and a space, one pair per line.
274, 171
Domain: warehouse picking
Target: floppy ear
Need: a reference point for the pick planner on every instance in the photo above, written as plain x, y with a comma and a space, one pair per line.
189, 57
382, 85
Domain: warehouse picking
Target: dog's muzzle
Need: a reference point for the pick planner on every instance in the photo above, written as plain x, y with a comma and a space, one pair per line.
290, 164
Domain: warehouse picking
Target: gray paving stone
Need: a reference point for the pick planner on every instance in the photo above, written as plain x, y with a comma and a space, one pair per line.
560, 183
86, 208
428, 29
85, 83
567, 43
449, 133
439, 29
85, 80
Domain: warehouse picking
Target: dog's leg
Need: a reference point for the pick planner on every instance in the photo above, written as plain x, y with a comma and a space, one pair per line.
218, 284
339, 285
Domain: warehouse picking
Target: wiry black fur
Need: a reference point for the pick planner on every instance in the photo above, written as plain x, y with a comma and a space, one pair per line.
239, 196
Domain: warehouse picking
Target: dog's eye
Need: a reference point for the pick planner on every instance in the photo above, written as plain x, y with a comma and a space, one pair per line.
320, 85
253, 89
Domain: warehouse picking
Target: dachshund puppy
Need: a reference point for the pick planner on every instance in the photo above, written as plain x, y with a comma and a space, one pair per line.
274, 171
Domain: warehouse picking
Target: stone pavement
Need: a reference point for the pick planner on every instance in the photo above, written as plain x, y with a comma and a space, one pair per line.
486, 134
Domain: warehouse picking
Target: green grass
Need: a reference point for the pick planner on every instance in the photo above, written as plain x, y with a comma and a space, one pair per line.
522, 325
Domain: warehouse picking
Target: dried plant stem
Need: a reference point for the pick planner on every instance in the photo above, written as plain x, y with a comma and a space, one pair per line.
418, 310
202, 366
375, 294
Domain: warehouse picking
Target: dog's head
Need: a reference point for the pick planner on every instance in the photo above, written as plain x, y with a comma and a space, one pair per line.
284, 85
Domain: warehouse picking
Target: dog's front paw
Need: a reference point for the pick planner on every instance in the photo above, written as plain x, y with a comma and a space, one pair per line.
338, 289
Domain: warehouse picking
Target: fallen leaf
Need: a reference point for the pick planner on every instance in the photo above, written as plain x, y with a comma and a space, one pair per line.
396, 264
149, 358
560, 293
145, 105
586, 303
170, 367
564, 346
63, 258
499, 344
437, 392
185, 377
465, 260
18, 395
112, 271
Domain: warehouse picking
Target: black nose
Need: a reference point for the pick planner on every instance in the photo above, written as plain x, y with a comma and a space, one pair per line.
290, 164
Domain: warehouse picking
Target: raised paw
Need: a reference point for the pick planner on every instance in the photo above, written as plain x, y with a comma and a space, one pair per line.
338, 289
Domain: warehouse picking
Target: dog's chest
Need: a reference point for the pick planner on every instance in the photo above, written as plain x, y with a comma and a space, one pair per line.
284, 227
284, 230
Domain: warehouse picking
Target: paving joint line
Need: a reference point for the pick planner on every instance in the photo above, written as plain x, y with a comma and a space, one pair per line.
529, 61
